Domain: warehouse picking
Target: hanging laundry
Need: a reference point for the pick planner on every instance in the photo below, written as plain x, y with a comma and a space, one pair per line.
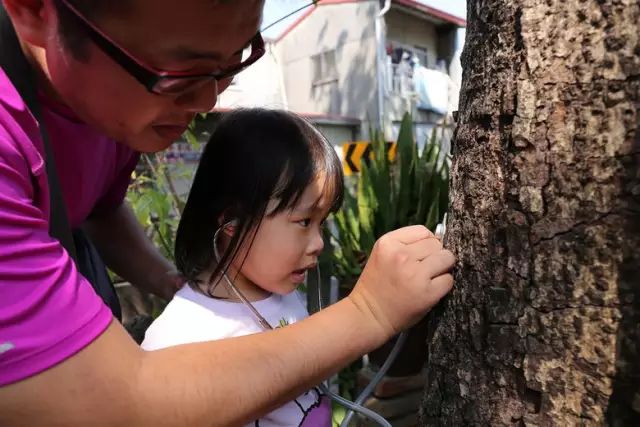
432, 88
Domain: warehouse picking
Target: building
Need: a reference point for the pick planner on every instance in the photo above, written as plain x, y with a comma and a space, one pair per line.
350, 65
341, 62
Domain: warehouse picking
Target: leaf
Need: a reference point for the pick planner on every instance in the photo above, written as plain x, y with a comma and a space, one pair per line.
381, 182
367, 205
444, 190
406, 147
191, 138
412, 189
434, 211
353, 229
423, 178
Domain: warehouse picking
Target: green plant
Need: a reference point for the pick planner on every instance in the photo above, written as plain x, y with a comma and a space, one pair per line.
411, 189
154, 196
388, 194
155, 202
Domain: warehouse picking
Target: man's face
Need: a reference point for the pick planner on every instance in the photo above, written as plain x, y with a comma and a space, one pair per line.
194, 36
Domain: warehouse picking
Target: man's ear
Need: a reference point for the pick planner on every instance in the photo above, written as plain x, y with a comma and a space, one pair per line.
30, 20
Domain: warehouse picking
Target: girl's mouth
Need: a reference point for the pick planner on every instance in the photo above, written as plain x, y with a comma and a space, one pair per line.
298, 276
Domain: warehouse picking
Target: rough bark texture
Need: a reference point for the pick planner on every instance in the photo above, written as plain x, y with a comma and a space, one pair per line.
543, 325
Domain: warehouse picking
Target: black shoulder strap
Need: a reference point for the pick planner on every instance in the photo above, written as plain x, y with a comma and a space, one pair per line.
15, 65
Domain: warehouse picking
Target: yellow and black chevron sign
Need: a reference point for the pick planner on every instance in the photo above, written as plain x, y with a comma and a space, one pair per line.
354, 153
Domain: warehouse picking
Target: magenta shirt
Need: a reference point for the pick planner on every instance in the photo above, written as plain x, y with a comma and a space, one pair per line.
48, 311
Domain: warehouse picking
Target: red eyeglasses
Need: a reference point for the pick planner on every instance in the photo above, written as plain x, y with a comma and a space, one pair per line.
158, 81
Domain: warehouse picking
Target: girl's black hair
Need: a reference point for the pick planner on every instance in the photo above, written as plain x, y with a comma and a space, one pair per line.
253, 157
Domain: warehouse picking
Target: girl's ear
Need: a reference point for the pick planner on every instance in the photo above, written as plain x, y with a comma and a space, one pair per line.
228, 226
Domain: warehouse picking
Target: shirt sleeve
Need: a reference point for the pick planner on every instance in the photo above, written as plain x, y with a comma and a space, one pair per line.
48, 311
118, 190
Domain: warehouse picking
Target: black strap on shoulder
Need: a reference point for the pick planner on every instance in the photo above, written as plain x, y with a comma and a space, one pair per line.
15, 65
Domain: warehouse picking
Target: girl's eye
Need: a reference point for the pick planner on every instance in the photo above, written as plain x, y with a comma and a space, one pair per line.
305, 222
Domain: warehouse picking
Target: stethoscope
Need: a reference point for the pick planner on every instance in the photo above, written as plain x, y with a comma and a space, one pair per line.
352, 406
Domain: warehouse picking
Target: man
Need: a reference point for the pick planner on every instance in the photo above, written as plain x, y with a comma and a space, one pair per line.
136, 72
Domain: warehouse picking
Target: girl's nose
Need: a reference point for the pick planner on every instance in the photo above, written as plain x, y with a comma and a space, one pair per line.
317, 243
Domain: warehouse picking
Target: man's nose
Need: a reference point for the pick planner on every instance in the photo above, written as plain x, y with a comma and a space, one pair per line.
200, 99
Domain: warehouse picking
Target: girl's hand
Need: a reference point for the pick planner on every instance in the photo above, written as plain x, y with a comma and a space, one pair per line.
408, 272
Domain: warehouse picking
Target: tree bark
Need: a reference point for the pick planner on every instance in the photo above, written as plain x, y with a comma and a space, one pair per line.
542, 327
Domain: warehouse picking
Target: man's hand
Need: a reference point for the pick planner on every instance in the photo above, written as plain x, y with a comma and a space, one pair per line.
408, 272
125, 248
167, 284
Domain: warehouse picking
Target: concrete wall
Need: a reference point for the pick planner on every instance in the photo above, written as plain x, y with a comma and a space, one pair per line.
349, 29
258, 86
337, 134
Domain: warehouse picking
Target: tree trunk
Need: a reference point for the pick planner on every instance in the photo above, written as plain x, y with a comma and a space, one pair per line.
542, 327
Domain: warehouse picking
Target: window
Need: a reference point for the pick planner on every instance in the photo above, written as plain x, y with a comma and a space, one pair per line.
324, 67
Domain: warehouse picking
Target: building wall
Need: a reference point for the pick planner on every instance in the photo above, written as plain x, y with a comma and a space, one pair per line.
349, 29
258, 86
337, 134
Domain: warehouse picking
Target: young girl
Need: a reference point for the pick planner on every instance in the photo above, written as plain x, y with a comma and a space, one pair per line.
250, 231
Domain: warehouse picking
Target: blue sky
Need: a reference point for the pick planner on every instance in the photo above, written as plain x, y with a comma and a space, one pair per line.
275, 9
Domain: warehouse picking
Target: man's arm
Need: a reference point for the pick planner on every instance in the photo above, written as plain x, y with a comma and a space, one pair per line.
126, 249
112, 382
